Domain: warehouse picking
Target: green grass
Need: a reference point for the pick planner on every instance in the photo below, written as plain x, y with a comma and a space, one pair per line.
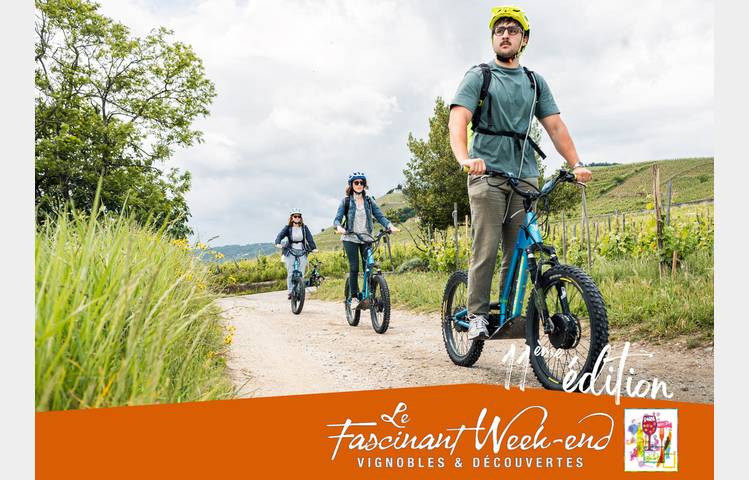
123, 317
643, 302
640, 303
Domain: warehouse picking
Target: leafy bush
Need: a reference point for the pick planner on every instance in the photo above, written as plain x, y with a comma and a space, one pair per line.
415, 264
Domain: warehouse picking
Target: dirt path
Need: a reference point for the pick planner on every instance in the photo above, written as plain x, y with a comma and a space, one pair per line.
277, 353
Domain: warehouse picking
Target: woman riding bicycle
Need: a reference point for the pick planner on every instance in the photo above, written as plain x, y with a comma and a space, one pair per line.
357, 209
299, 241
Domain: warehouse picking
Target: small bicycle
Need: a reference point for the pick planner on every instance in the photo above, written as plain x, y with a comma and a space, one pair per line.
376, 294
298, 285
315, 278
566, 314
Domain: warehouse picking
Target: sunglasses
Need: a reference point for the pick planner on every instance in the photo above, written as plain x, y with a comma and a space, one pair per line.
296, 216
358, 182
512, 30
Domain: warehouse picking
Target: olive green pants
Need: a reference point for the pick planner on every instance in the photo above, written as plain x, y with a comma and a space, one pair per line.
489, 199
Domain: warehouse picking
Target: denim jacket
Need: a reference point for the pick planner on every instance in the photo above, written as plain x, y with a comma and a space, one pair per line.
370, 208
309, 242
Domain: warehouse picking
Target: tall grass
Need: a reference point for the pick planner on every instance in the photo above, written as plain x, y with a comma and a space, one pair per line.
651, 304
123, 317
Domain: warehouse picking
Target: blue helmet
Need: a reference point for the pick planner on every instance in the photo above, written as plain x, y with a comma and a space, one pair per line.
357, 176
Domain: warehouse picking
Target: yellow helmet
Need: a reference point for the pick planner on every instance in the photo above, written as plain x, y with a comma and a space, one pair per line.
512, 12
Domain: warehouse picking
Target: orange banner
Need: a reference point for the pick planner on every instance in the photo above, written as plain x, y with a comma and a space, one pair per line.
468, 431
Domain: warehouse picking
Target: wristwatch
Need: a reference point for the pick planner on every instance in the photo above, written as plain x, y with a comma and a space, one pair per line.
578, 164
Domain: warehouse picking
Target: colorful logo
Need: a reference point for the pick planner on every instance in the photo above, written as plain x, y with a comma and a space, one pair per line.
650, 440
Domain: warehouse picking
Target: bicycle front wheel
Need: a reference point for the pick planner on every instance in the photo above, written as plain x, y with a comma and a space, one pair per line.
567, 327
379, 309
298, 293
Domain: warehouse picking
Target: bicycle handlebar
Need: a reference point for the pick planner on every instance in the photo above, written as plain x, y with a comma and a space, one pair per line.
381, 234
562, 176
297, 253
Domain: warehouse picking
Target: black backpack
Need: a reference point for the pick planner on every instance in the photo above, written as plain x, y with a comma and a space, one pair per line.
486, 80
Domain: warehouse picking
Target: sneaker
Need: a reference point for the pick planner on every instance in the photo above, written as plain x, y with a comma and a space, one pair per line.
289, 296
354, 302
477, 327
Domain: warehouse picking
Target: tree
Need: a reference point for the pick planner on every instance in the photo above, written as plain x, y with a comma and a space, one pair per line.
433, 178
112, 106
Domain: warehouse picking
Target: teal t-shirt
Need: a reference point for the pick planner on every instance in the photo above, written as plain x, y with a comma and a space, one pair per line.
511, 95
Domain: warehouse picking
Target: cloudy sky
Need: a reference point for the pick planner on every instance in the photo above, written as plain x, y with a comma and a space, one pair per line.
310, 90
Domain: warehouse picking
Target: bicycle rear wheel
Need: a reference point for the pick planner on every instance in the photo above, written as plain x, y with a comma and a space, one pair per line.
379, 308
352, 316
460, 349
579, 327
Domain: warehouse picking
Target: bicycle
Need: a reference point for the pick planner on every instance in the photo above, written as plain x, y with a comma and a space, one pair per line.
566, 314
376, 294
298, 285
315, 278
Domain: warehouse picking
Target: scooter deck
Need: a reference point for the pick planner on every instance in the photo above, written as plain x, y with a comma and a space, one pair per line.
512, 328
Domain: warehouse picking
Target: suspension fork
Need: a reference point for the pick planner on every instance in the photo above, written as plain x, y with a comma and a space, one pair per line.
539, 296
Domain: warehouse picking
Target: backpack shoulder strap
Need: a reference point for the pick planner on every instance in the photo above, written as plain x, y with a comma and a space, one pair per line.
346, 207
486, 80
534, 84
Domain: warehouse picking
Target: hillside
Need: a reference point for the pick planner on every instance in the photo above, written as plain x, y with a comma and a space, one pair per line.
629, 187
242, 252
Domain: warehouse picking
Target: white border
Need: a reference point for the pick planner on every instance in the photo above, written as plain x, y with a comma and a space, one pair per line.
17, 241
731, 176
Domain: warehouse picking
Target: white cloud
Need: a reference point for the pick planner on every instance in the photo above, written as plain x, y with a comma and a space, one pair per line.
309, 91
319, 114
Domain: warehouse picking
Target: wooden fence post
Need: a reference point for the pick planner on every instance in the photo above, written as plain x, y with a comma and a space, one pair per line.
587, 227
468, 250
657, 203
595, 244
564, 239
658, 218
668, 204
455, 236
